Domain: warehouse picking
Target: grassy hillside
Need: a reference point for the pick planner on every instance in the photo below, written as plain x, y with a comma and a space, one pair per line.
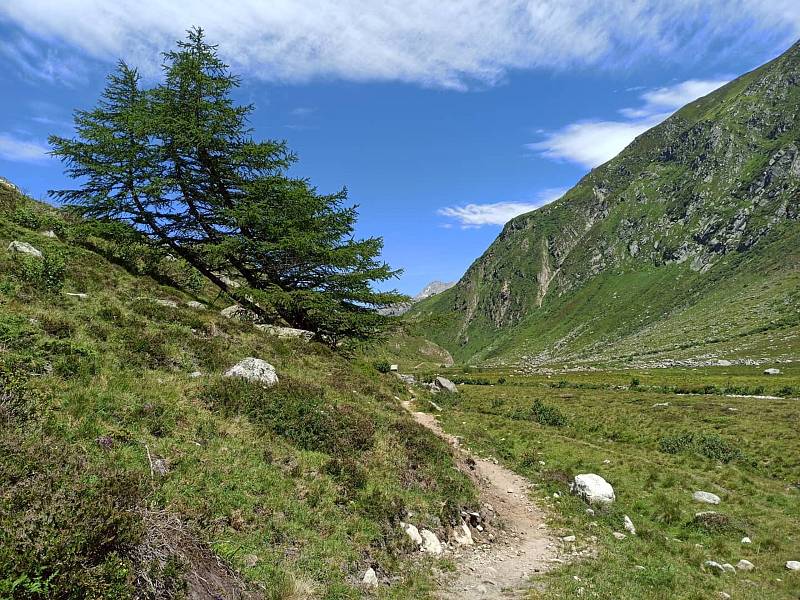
657, 436
683, 245
130, 467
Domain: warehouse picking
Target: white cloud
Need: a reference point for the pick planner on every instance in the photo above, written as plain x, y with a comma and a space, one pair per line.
449, 43
18, 150
497, 213
592, 142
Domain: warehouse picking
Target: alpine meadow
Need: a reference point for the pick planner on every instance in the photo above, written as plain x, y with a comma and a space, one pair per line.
218, 379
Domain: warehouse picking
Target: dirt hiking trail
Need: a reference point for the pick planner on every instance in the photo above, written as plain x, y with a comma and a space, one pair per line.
501, 566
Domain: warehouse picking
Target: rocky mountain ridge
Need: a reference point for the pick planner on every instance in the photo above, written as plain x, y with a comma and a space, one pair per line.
709, 197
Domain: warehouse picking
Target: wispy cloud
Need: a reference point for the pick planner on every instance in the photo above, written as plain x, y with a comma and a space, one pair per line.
19, 150
470, 216
445, 44
36, 62
592, 142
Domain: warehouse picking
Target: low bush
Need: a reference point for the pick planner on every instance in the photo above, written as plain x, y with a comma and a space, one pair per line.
296, 411
46, 274
709, 445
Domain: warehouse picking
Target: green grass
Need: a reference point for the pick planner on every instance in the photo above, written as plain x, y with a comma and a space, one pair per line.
311, 476
744, 450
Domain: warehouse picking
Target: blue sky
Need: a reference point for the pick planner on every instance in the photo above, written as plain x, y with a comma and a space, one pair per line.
444, 119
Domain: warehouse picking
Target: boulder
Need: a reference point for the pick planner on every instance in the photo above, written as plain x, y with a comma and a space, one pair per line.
772, 371
24, 248
745, 565
254, 369
286, 332
746, 540
592, 489
370, 578
793, 565
49, 233
195, 304
431, 543
706, 497
167, 303
412, 532
445, 385
628, 524
729, 568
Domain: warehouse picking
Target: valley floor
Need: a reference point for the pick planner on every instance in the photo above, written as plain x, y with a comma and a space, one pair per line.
657, 436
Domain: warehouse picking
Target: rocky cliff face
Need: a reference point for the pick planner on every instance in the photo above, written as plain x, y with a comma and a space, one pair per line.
695, 194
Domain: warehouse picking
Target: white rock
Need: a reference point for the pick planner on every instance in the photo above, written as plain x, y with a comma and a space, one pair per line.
745, 565
619, 535
593, 489
724, 595
195, 374
431, 543
49, 233
723, 363
444, 384
793, 565
462, 535
79, 295
24, 248
729, 568
772, 371
568, 538
747, 540
661, 405
168, 303
254, 369
412, 532
195, 304
286, 332
370, 578
628, 524
590, 512
706, 497
394, 368
714, 567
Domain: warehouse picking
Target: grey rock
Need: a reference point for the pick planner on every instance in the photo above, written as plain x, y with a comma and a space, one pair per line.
745, 565
772, 371
729, 568
628, 524
239, 313
370, 578
714, 567
430, 543
793, 565
286, 332
444, 384
592, 489
408, 379
49, 234
706, 497
619, 535
462, 535
568, 539
412, 532
167, 303
195, 304
78, 295
24, 248
254, 369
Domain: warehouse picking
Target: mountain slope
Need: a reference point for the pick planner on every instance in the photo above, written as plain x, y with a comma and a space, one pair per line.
686, 243
130, 467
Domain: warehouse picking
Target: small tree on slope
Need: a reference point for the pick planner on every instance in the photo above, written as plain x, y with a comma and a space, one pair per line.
179, 163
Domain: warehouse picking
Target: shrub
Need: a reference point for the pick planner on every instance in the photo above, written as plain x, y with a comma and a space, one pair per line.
46, 274
709, 445
501, 380
546, 414
382, 366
